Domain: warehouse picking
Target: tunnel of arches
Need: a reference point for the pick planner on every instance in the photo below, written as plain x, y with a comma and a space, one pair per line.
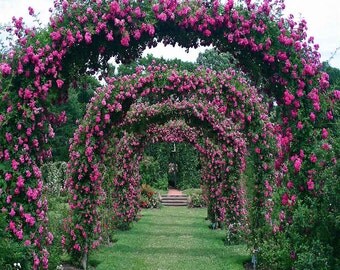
222, 139
287, 103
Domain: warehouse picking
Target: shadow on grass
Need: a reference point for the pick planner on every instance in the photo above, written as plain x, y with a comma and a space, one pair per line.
160, 223
156, 213
199, 235
192, 252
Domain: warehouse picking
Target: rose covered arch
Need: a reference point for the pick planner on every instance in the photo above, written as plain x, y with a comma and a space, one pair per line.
82, 36
230, 116
134, 144
214, 163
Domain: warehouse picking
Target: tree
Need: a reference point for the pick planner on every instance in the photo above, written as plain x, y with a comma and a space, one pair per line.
215, 60
128, 69
334, 75
74, 108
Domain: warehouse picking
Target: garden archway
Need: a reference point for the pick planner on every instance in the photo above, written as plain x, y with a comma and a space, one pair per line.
204, 99
82, 36
172, 131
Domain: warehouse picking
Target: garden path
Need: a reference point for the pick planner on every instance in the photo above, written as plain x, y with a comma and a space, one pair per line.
174, 192
170, 238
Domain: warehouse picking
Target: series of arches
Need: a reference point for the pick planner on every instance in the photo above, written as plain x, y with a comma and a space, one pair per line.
83, 35
205, 104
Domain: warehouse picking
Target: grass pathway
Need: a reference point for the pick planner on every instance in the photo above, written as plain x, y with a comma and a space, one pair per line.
171, 238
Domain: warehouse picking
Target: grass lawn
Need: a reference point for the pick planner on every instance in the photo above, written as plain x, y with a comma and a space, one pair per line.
171, 238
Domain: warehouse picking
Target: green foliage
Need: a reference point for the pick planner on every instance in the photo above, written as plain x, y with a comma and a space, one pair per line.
188, 166
129, 69
314, 247
196, 198
314, 256
316, 227
215, 60
154, 168
54, 176
334, 75
149, 198
11, 251
78, 97
151, 173
58, 211
275, 253
108, 223
108, 227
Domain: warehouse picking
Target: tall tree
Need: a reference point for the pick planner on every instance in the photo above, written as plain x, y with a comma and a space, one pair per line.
215, 60
128, 69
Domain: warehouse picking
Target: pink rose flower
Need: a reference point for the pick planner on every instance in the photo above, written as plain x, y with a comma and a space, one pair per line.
60, 83
310, 184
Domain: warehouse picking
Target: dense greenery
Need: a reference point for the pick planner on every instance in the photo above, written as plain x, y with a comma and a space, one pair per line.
212, 59
11, 251
74, 108
155, 166
128, 69
334, 75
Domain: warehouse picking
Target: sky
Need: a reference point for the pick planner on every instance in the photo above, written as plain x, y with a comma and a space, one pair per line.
323, 21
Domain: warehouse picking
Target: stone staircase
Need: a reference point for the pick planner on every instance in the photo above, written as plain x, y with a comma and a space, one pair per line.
174, 200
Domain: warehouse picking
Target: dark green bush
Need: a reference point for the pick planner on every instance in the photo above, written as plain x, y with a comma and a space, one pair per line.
152, 174
12, 251
154, 168
196, 198
274, 253
314, 256
58, 211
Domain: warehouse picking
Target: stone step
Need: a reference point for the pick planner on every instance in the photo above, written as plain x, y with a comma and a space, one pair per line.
175, 201
175, 204
174, 197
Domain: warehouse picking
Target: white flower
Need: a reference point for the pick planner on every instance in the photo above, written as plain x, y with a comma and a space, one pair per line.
17, 266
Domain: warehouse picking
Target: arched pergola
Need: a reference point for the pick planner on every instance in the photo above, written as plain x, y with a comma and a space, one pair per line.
203, 99
83, 36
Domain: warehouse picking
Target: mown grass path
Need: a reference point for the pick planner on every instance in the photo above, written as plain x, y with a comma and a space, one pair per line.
171, 238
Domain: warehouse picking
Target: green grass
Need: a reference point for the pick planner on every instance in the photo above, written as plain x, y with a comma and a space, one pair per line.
171, 239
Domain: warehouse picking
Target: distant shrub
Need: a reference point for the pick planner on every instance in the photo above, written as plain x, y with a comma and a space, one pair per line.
149, 198
58, 211
196, 198
162, 182
54, 175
